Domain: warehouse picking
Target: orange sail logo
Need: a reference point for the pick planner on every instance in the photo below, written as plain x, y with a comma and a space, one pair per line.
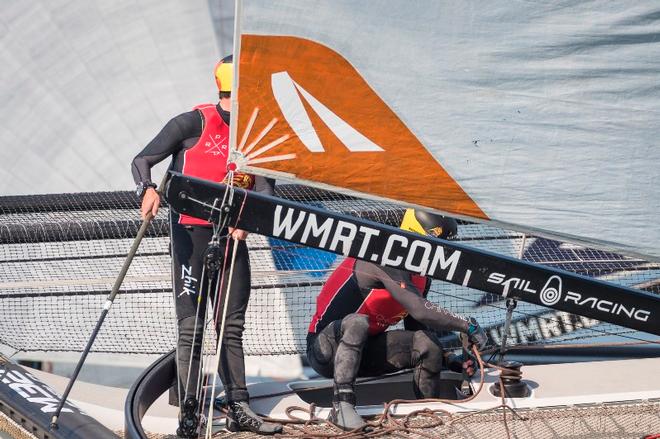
306, 112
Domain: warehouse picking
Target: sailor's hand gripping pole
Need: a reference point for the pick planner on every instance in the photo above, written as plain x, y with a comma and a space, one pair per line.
106, 307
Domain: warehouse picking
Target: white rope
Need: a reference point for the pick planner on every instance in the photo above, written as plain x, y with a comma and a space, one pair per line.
201, 393
216, 230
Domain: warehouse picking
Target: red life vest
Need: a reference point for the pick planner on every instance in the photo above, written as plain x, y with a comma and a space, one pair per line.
207, 158
379, 305
383, 310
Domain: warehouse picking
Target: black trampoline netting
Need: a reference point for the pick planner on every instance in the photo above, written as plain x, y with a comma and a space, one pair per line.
60, 254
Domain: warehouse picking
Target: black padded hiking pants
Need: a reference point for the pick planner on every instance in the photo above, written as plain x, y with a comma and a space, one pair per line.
189, 244
343, 350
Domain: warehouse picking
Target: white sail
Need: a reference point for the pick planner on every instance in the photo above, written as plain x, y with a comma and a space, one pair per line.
87, 84
540, 117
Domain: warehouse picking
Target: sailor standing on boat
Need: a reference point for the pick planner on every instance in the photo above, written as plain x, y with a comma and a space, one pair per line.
197, 142
347, 336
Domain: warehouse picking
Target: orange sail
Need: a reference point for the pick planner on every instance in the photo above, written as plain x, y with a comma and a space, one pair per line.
344, 136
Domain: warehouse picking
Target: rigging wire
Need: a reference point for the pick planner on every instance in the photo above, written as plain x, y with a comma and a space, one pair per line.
221, 336
227, 291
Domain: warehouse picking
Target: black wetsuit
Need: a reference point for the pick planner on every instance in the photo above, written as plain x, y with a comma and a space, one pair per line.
347, 336
189, 242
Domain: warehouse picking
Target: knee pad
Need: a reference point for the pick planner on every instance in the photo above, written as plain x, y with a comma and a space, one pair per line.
427, 351
321, 350
354, 329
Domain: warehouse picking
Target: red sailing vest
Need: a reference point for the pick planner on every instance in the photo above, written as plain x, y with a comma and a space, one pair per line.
207, 158
379, 305
383, 310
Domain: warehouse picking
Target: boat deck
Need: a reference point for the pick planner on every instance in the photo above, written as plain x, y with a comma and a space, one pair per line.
609, 399
615, 421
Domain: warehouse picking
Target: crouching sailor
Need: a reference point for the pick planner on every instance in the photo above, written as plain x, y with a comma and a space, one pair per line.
347, 336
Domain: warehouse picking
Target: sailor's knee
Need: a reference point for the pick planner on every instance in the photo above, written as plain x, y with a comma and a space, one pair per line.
427, 348
190, 327
233, 328
320, 353
355, 328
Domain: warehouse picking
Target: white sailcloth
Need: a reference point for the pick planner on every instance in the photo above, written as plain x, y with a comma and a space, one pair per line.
539, 117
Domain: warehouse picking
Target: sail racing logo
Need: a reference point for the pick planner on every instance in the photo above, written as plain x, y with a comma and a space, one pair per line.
216, 146
551, 291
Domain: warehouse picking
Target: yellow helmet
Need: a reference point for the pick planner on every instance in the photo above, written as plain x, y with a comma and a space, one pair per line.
224, 73
429, 224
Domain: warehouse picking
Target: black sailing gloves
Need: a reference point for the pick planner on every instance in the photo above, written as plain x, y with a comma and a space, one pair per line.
476, 335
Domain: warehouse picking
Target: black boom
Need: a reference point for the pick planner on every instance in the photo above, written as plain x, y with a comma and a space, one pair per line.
443, 260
